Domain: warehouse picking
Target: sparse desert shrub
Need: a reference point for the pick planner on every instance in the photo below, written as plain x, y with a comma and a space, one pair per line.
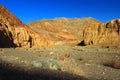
71, 66
114, 63
65, 56
46, 64
2, 51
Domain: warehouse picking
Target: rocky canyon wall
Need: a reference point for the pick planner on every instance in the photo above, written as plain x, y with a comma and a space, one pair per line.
105, 34
13, 33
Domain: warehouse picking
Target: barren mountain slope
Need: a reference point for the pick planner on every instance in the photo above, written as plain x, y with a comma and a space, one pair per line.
13, 33
66, 29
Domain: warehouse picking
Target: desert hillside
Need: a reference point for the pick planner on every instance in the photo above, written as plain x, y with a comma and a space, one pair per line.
13, 33
59, 28
45, 32
59, 48
88, 31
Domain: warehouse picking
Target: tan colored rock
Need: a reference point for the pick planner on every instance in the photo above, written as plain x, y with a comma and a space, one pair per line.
61, 30
13, 33
103, 33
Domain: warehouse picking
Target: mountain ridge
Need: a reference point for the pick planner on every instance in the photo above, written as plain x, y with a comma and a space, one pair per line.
14, 33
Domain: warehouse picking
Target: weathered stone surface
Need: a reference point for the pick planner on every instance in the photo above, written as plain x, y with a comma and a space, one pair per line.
13, 33
105, 34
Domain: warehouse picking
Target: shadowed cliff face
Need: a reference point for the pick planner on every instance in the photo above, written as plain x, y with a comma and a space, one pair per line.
13, 33
8, 23
103, 33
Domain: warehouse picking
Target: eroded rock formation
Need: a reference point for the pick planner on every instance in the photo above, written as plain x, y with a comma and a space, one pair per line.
105, 34
13, 33
88, 31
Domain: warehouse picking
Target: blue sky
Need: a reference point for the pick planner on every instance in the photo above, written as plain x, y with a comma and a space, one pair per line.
27, 10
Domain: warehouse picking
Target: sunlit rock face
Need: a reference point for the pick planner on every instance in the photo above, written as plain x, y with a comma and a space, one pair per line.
62, 30
13, 33
102, 33
88, 31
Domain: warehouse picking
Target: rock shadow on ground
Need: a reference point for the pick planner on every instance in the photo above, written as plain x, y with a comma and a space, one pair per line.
9, 71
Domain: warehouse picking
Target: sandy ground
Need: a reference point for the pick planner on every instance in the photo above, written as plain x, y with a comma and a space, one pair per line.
60, 62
